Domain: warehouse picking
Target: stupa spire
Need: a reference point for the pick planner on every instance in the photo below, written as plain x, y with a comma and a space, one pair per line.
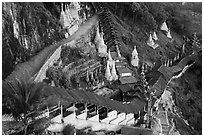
108, 75
109, 55
113, 71
169, 34
150, 41
164, 26
118, 51
97, 37
63, 19
155, 36
102, 48
135, 59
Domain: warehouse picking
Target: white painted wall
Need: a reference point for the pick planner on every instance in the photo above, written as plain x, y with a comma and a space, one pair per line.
70, 118
119, 119
111, 116
131, 122
82, 116
94, 118
128, 117
57, 119
49, 62
125, 74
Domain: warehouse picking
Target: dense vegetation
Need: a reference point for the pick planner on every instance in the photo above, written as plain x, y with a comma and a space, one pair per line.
188, 96
39, 27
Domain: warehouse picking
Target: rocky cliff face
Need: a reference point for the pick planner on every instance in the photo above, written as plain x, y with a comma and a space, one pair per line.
27, 28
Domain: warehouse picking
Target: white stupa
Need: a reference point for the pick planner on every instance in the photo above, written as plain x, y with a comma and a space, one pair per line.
118, 51
150, 41
97, 37
169, 34
135, 59
109, 55
164, 27
175, 58
102, 48
113, 71
154, 36
110, 59
63, 19
108, 75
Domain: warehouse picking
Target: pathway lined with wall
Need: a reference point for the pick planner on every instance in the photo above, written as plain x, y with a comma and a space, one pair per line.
25, 71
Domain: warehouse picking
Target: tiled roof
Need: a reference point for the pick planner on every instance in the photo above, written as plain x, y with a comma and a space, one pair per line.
123, 70
128, 80
175, 69
159, 86
120, 64
166, 72
125, 88
82, 96
114, 55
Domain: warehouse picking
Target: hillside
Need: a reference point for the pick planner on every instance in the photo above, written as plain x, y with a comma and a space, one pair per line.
38, 28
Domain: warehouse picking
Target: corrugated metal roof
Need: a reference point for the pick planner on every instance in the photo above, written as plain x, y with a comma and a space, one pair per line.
88, 97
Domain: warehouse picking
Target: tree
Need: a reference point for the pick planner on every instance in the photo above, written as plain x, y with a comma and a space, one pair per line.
23, 100
68, 130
